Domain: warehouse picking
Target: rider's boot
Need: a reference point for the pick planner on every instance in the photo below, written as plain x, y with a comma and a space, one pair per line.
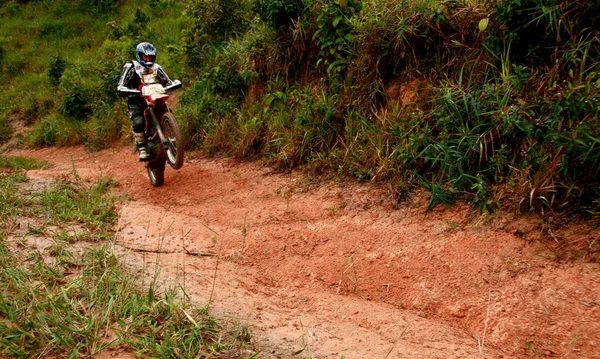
140, 141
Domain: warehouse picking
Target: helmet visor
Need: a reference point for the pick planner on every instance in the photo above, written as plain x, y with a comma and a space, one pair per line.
148, 58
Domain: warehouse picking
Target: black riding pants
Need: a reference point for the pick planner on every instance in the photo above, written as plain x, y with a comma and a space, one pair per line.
137, 105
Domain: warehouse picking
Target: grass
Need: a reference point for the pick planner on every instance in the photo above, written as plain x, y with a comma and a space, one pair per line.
62, 60
21, 163
78, 306
60, 302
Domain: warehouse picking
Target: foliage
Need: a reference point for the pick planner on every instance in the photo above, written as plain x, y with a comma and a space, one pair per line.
279, 13
55, 130
99, 7
548, 33
110, 68
55, 71
106, 127
76, 104
21, 163
5, 130
137, 28
334, 34
215, 21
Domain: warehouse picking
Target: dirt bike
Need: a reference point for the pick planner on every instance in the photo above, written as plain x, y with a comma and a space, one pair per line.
165, 143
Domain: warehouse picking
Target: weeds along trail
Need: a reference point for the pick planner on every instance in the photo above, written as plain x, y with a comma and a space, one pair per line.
329, 269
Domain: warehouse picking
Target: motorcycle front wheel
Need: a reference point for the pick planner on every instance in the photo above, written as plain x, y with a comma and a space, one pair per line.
174, 147
156, 172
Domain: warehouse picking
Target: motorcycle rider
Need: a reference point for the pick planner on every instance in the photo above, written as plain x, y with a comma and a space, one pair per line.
130, 84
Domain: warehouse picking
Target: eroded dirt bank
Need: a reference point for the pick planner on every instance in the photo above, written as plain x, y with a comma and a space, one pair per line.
331, 269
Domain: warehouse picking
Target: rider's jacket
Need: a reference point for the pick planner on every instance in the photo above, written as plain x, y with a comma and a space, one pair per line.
133, 72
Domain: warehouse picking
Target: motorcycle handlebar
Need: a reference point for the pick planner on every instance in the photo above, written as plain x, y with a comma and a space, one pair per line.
127, 91
124, 91
174, 86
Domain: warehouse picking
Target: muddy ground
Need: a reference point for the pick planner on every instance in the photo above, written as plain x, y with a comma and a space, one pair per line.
329, 269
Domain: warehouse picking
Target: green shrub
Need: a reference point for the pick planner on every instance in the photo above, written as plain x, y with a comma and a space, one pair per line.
56, 29
5, 130
77, 104
278, 13
99, 7
547, 33
215, 21
35, 109
139, 26
106, 127
334, 34
13, 69
53, 130
55, 70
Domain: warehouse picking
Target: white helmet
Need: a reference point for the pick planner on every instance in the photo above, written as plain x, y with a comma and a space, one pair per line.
145, 53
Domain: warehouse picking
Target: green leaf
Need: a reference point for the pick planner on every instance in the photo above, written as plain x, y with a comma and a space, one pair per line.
268, 99
316, 34
483, 23
337, 20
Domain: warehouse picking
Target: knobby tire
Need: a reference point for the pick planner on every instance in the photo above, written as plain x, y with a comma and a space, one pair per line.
174, 148
156, 172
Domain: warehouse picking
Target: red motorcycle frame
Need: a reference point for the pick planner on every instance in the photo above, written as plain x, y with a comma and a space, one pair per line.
165, 143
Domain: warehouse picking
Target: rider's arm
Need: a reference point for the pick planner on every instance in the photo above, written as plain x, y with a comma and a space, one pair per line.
163, 77
125, 80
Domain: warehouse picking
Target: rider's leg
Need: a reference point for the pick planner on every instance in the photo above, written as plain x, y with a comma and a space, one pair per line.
136, 112
140, 141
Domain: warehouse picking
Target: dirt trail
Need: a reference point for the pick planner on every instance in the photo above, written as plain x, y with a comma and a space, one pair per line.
331, 269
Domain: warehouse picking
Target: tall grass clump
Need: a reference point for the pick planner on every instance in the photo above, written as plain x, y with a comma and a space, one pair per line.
93, 206
19, 163
10, 203
215, 22
55, 130
5, 130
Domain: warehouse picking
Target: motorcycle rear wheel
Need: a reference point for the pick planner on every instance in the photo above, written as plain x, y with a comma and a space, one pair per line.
156, 172
174, 147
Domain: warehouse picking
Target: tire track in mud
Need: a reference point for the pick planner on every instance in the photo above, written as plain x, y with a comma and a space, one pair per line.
285, 320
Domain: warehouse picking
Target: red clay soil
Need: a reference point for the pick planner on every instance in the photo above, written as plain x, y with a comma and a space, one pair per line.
331, 269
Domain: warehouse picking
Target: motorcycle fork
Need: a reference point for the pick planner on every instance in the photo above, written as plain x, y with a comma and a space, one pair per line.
157, 125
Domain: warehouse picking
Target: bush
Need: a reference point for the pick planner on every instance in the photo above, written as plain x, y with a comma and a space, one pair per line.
215, 22
138, 27
56, 29
35, 109
5, 131
106, 127
54, 130
334, 34
99, 7
278, 13
547, 33
56, 68
76, 104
